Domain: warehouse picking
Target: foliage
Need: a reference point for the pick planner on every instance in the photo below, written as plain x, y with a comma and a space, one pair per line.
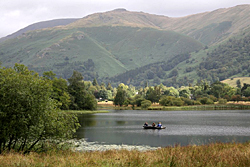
60, 90
138, 100
227, 60
188, 101
184, 92
206, 100
238, 83
145, 104
95, 83
120, 96
171, 91
170, 101
219, 89
246, 92
154, 71
153, 94
236, 98
28, 114
222, 101
80, 98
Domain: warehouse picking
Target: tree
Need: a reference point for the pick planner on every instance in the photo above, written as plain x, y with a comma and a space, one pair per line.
145, 104
154, 94
170, 101
173, 73
171, 91
60, 90
95, 83
219, 89
28, 114
246, 92
245, 86
120, 96
103, 94
238, 83
80, 98
109, 87
184, 92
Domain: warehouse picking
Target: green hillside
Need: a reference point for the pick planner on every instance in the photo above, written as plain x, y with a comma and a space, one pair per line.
113, 50
227, 60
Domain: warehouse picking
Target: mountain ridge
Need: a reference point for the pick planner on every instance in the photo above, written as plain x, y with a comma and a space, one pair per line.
40, 25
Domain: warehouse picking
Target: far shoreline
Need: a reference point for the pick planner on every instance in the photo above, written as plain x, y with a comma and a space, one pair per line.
229, 106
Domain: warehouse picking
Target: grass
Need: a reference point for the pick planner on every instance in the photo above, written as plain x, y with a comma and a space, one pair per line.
232, 81
215, 154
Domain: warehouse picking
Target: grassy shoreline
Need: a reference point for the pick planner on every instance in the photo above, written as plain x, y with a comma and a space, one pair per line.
214, 154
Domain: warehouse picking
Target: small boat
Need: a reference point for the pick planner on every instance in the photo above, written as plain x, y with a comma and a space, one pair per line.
153, 127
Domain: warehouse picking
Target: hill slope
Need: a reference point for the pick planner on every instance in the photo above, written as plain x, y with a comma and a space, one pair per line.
113, 50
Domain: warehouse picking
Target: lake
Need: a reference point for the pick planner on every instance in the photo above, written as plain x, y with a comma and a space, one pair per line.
183, 127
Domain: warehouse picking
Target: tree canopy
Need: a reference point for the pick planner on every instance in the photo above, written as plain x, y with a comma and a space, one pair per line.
28, 114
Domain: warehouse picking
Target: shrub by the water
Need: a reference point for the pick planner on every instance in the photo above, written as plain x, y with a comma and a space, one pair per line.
222, 101
145, 104
206, 100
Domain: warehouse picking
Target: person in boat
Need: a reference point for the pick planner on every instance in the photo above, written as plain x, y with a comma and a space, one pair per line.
159, 125
153, 124
146, 124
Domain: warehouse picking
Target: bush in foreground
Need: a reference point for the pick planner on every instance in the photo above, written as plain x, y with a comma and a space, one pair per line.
28, 114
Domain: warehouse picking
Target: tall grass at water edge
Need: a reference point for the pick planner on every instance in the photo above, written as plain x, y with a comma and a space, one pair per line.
215, 154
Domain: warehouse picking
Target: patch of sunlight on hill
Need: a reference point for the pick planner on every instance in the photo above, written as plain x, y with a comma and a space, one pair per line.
232, 81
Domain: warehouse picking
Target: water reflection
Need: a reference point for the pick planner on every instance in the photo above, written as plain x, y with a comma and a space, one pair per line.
86, 120
183, 127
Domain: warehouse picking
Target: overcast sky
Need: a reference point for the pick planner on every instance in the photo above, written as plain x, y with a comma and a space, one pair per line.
17, 14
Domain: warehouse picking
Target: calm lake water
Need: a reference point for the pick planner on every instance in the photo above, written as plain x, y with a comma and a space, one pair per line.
183, 127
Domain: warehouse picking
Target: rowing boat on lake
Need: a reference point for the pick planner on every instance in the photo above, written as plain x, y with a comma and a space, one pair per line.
153, 127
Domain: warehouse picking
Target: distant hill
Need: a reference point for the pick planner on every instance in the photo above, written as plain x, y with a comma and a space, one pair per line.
39, 25
134, 47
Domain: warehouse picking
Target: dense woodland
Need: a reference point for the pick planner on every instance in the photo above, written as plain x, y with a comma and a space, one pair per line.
227, 60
